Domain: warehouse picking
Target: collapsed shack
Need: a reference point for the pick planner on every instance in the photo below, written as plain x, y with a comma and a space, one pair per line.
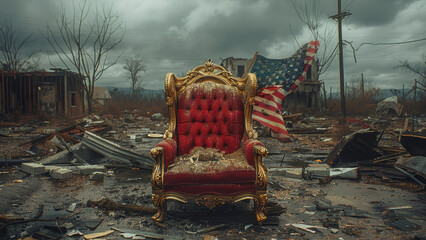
361, 149
389, 107
414, 142
48, 93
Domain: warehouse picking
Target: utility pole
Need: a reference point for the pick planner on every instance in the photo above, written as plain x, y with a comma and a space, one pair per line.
339, 17
362, 84
415, 90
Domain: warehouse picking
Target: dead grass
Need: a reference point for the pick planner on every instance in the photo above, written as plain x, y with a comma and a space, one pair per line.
415, 108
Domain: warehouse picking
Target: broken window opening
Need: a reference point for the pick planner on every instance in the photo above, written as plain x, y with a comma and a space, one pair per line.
73, 99
240, 70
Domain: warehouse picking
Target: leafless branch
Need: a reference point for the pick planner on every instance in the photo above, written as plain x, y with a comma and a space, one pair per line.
84, 41
11, 45
309, 14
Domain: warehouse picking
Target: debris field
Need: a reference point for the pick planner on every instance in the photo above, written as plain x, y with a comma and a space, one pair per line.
90, 178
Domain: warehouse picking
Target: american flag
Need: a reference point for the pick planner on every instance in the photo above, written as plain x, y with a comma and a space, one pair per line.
276, 78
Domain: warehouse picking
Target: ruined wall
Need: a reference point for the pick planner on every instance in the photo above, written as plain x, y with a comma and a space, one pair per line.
47, 98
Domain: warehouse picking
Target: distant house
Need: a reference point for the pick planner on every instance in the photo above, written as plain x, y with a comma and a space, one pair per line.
50, 93
307, 95
101, 96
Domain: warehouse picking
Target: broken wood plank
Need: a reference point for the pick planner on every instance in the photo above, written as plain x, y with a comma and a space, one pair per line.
98, 234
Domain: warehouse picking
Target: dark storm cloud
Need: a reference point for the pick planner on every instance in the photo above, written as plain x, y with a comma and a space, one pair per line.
376, 12
176, 36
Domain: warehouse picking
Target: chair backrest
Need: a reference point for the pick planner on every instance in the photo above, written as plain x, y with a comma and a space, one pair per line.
210, 115
210, 108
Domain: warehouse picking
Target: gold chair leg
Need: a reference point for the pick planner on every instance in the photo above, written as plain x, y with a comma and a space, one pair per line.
259, 203
158, 201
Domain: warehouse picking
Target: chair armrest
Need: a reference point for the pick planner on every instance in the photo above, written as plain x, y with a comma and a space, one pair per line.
164, 154
255, 152
249, 150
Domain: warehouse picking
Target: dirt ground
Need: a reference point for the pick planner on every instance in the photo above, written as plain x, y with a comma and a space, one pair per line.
340, 209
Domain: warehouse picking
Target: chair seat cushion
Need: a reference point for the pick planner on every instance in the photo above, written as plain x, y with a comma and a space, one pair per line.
209, 166
213, 189
224, 177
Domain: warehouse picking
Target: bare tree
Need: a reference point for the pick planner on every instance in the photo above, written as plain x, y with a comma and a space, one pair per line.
11, 44
84, 41
33, 64
418, 68
133, 67
309, 14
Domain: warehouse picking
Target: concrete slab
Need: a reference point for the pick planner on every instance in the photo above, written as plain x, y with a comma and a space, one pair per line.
97, 176
61, 174
90, 169
317, 171
345, 173
33, 168
294, 173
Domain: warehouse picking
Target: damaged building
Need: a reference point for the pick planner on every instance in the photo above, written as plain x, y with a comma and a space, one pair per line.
48, 93
306, 96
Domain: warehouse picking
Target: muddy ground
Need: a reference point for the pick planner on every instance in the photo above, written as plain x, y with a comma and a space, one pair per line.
341, 209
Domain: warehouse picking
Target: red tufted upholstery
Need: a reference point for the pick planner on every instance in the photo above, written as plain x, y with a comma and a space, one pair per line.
248, 149
170, 148
225, 177
209, 115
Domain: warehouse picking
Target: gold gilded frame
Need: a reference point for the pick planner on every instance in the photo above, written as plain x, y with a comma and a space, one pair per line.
247, 88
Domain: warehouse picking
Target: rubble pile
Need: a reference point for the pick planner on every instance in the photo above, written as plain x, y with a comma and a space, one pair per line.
91, 178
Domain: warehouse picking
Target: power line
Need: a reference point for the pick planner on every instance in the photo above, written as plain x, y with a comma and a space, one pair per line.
394, 43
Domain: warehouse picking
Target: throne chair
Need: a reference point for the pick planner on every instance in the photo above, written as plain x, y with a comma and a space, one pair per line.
209, 154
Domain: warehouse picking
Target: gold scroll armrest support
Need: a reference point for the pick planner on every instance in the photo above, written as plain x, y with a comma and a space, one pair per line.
259, 153
158, 170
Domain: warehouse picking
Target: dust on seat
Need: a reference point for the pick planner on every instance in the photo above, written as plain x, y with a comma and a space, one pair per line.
209, 161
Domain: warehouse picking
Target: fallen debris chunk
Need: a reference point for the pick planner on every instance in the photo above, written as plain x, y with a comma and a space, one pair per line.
317, 171
72, 207
93, 223
294, 173
323, 204
400, 208
416, 164
345, 173
128, 235
97, 176
90, 169
414, 142
97, 235
74, 232
305, 227
357, 146
389, 107
61, 174
356, 213
33, 168
410, 176
115, 152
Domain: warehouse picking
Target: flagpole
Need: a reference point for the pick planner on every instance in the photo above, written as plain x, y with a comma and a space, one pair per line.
250, 65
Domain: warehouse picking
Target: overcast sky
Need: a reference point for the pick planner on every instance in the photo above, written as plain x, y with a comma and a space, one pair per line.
175, 36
